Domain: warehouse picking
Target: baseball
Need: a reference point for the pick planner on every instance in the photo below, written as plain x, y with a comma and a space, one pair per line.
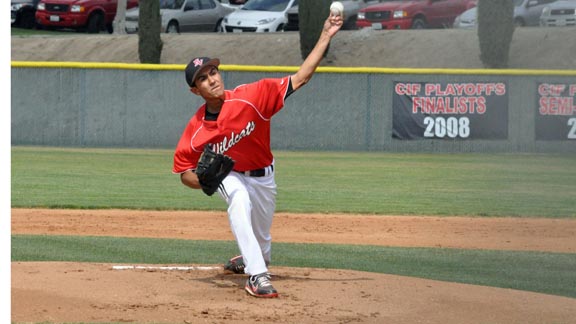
337, 8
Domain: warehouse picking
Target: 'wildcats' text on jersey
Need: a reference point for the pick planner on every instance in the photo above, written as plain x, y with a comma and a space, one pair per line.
227, 143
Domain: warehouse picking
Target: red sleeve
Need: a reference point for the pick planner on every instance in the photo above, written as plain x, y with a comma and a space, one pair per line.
268, 95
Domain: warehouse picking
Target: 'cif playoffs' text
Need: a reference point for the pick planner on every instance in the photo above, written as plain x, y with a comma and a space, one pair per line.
451, 98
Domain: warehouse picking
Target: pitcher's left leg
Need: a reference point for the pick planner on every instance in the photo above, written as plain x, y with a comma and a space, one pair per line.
237, 195
263, 206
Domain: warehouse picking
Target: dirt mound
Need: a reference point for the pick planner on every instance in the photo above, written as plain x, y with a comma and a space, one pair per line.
88, 293
532, 48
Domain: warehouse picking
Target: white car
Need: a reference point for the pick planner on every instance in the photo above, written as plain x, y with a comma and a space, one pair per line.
258, 16
131, 20
559, 14
467, 19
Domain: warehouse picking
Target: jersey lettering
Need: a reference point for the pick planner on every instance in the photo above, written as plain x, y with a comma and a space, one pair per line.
227, 144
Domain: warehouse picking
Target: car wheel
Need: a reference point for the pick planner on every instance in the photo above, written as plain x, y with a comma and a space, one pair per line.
280, 28
519, 22
350, 24
419, 23
48, 28
218, 28
95, 23
27, 20
173, 28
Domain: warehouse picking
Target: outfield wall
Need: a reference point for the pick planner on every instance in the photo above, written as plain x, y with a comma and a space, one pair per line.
147, 106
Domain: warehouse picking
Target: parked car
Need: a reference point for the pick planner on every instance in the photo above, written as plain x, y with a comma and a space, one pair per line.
90, 15
526, 13
351, 8
412, 14
467, 19
131, 20
259, 16
180, 16
22, 13
559, 14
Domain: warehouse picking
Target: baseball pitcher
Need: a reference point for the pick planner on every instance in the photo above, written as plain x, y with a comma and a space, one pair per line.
225, 148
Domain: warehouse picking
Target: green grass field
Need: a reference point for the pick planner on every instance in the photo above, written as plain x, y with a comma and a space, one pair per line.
522, 185
327, 182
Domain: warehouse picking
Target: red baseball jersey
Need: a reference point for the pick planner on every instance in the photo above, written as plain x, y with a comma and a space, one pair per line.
242, 130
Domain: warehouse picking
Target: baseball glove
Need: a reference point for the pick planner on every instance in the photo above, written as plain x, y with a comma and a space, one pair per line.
212, 169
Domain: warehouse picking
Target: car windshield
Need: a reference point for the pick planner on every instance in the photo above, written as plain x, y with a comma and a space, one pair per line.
266, 5
171, 4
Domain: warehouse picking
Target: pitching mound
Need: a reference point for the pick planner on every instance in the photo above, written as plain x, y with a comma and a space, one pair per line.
88, 292
81, 292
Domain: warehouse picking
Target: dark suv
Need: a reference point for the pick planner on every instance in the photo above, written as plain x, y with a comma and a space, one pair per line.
22, 13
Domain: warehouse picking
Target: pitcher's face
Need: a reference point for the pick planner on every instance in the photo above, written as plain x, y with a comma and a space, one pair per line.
209, 84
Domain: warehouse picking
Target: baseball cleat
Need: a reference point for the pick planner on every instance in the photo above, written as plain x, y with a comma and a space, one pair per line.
236, 265
260, 286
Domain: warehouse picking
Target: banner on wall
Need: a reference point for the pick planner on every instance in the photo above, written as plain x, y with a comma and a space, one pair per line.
443, 110
556, 114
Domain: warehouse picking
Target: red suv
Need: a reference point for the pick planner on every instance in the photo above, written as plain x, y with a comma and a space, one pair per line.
412, 14
90, 15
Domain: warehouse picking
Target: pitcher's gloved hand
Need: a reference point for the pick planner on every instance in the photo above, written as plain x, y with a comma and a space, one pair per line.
212, 169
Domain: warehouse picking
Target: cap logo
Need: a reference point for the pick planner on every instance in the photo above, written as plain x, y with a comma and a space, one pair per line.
198, 62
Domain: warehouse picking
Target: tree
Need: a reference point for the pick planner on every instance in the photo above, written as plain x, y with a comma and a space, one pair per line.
495, 30
311, 17
149, 41
119, 24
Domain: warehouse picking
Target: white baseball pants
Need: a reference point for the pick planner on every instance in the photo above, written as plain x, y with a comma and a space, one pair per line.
251, 205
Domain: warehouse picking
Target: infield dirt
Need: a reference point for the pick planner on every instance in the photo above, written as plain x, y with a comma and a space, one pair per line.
88, 292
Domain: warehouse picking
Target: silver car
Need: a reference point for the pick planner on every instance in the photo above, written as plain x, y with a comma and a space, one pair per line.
559, 13
179, 16
526, 13
193, 15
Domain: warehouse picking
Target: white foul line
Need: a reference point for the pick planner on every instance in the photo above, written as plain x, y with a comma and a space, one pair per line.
178, 268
